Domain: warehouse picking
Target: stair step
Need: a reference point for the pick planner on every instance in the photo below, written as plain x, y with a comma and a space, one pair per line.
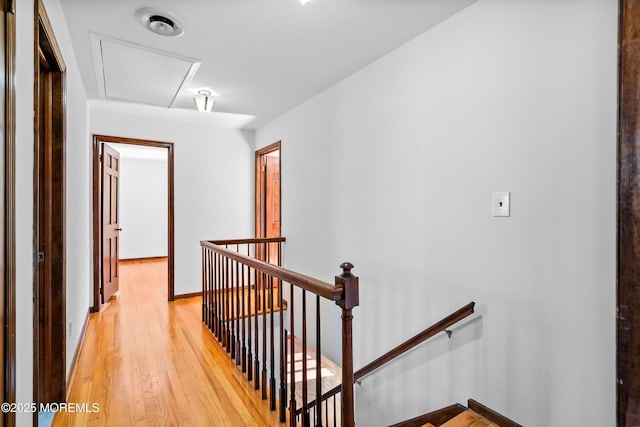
468, 418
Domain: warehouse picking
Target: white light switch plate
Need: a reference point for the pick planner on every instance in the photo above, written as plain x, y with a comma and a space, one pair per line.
501, 203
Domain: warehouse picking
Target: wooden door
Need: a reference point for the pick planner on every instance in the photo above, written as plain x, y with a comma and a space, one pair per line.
272, 195
272, 204
110, 222
267, 213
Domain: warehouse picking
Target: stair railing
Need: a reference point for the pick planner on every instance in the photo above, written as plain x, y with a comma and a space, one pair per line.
440, 326
251, 307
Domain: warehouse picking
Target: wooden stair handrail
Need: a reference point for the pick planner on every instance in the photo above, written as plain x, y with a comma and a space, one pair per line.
318, 287
412, 342
440, 326
248, 240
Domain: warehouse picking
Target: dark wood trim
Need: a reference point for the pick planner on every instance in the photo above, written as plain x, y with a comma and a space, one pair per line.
97, 188
95, 223
248, 241
628, 224
49, 356
36, 95
348, 283
258, 187
491, 415
190, 295
436, 418
46, 39
10, 210
443, 415
76, 353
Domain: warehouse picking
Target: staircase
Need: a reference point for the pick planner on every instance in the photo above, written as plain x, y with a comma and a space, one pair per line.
468, 418
268, 319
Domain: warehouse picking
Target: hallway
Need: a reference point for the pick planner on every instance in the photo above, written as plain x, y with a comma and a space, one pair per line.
149, 362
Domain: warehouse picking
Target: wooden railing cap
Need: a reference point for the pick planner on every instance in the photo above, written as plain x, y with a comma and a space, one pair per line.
346, 268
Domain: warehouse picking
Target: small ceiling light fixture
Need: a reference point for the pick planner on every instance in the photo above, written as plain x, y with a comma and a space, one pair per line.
160, 22
204, 101
304, 2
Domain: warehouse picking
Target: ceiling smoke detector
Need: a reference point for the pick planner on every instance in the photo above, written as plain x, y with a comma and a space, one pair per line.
160, 22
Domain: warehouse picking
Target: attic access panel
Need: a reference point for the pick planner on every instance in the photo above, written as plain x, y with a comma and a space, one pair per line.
131, 72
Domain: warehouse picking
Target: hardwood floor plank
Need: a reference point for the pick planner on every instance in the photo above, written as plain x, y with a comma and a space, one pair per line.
146, 361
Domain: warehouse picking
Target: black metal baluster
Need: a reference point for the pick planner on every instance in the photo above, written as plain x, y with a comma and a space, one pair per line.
232, 317
283, 363
305, 384
264, 336
292, 400
204, 282
221, 326
272, 383
283, 417
326, 412
219, 296
249, 330
243, 320
212, 280
256, 370
229, 305
212, 290
318, 410
335, 418
236, 296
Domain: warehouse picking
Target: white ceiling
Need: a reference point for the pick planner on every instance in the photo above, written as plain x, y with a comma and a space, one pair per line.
262, 56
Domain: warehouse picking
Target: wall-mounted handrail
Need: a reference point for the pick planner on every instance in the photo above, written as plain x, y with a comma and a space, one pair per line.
409, 344
417, 339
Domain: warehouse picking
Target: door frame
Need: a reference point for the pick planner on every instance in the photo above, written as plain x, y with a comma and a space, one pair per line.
259, 188
9, 368
98, 140
49, 355
628, 219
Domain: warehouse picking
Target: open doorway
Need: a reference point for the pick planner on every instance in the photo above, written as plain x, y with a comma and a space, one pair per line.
267, 208
133, 197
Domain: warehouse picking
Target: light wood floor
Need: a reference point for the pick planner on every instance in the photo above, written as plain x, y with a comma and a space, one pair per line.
149, 362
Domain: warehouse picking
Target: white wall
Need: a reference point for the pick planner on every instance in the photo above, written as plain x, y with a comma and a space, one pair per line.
393, 169
78, 268
143, 202
24, 206
213, 181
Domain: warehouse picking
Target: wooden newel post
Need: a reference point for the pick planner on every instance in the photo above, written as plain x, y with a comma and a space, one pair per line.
349, 284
